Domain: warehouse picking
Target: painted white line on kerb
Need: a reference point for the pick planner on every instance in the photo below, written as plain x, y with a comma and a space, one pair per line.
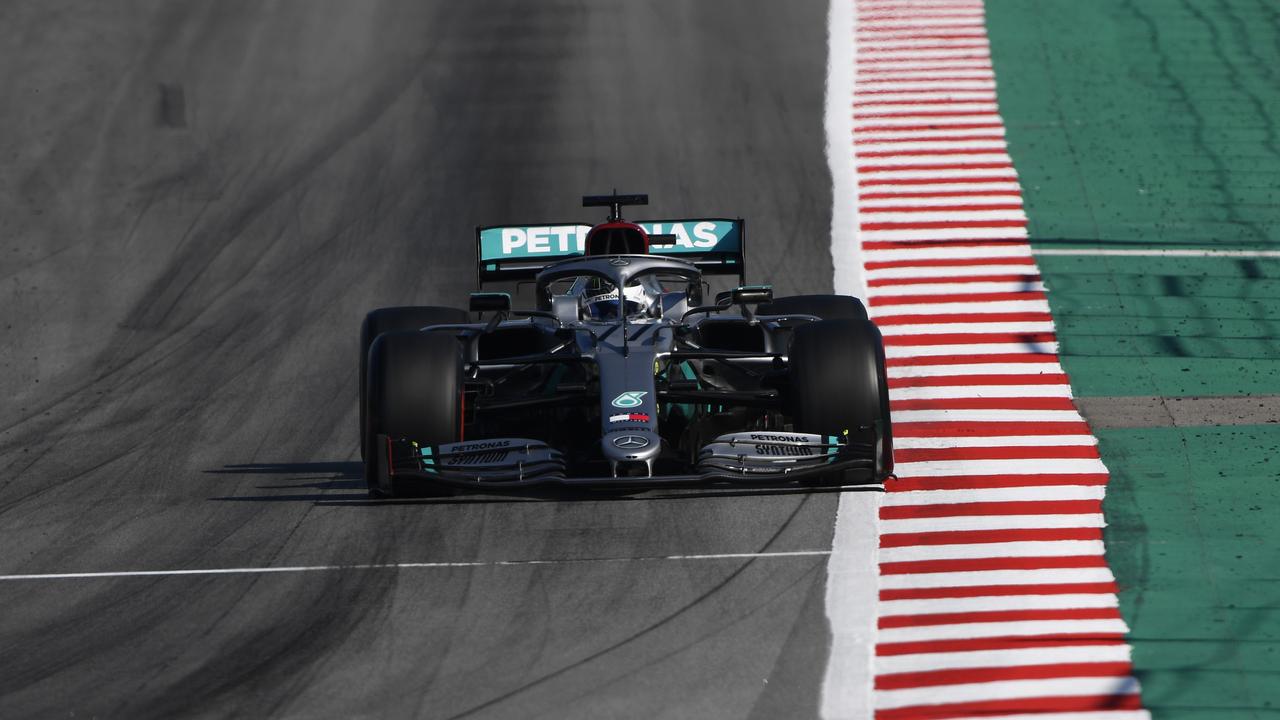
853, 589
849, 278
1087, 252
404, 566
852, 573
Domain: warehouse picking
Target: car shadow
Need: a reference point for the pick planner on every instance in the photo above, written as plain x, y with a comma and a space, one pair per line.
341, 483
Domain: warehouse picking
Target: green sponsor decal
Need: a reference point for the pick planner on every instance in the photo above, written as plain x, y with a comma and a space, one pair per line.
547, 241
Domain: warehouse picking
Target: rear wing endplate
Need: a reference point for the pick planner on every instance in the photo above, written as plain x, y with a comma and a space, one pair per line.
716, 246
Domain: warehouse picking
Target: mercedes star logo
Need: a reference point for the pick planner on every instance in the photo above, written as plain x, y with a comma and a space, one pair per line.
630, 442
619, 262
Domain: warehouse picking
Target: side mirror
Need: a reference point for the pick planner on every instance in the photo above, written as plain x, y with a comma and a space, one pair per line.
752, 294
490, 302
693, 294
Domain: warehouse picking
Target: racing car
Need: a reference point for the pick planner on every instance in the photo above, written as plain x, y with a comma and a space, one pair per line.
622, 373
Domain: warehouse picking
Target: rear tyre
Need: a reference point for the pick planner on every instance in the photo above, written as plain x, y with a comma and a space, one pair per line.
827, 307
414, 391
391, 319
838, 383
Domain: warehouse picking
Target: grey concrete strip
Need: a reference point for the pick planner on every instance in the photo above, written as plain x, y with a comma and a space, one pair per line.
1149, 411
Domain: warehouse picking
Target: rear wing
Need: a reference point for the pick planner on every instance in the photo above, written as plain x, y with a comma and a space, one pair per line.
716, 246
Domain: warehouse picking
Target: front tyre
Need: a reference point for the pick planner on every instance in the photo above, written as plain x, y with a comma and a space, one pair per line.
414, 391
392, 319
838, 384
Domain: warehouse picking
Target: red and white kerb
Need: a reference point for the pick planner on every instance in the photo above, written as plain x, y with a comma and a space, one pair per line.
995, 597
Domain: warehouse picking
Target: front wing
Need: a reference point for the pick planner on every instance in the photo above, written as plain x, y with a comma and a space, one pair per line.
744, 458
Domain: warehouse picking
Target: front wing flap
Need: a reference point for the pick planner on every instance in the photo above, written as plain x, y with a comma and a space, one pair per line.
763, 452
478, 462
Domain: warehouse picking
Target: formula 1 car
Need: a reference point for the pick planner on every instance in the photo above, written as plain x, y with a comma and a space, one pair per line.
621, 375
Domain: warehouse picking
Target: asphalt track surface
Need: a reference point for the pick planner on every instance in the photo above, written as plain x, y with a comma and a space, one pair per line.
201, 200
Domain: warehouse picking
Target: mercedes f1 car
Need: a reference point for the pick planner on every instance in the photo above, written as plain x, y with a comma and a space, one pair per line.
622, 374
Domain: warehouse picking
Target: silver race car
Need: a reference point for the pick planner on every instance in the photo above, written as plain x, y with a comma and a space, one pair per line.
622, 374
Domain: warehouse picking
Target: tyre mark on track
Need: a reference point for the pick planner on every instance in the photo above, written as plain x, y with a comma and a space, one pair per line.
707, 633
652, 628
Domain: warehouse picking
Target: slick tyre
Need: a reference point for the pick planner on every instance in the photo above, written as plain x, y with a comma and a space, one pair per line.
838, 383
414, 391
827, 307
391, 319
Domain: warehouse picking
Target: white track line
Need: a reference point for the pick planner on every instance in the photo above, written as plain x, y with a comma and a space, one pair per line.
401, 566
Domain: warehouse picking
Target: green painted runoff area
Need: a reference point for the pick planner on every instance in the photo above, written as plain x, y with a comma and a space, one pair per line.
1192, 516
1156, 124
1167, 326
1143, 122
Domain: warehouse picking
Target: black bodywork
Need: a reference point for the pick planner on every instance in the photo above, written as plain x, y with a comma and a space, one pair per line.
678, 391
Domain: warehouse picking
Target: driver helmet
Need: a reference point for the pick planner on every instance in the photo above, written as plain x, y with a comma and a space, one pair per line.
604, 306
